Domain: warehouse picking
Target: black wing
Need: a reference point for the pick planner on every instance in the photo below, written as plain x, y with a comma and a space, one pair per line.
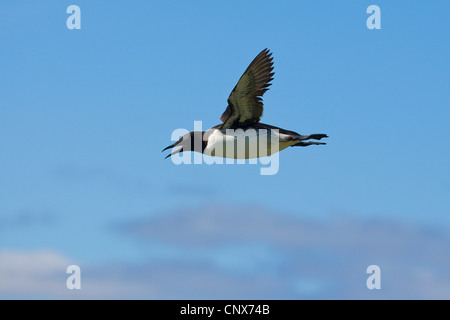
245, 105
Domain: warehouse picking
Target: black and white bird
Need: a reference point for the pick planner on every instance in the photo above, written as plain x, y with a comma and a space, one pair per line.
244, 111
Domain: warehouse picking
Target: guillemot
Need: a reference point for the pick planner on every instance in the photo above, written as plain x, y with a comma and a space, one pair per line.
242, 115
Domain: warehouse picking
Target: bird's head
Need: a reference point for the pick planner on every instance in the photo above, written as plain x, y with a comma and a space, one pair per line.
192, 141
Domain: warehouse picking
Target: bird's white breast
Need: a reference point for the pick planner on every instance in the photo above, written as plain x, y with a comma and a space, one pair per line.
248, 144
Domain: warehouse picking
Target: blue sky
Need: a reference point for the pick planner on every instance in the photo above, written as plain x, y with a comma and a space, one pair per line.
85, 113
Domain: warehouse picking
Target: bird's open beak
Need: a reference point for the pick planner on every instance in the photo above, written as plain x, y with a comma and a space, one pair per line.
171, 146
173, 152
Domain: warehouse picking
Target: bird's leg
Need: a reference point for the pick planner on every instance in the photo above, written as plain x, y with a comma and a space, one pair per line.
316, 136
307, 143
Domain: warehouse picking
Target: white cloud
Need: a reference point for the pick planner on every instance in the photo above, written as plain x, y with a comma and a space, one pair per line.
325, 259
247, 253
41, 274
29, 273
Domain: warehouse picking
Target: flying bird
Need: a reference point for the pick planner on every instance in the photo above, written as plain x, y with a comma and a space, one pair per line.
242, 115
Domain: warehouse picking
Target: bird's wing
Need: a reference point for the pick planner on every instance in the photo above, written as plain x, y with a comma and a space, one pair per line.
245, 105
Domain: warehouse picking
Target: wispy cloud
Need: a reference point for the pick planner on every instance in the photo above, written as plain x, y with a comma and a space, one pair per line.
307, 258
41, 274
27, 219
31, 274
218, 252
101, 174
192, 190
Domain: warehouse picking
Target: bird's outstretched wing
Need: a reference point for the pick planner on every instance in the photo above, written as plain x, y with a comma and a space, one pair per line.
245, 105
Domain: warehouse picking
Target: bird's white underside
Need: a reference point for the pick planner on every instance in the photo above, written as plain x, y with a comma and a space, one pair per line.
247, 144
